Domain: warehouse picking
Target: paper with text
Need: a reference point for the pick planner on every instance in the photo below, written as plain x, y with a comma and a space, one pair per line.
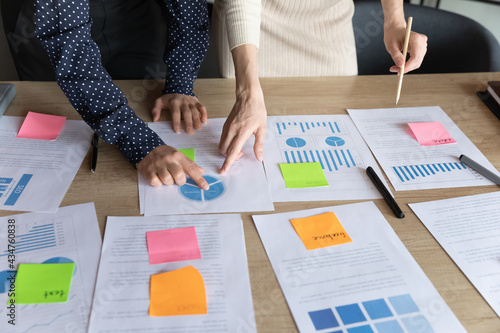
368, 285
35, 174
330, 140
172, 245
411, 166
320, 231
41, 126
121, 301
178, 292
468, 230
225, 193
70, 236
43, 283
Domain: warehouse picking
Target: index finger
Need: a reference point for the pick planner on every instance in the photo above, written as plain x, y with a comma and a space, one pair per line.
194, 171
233, 153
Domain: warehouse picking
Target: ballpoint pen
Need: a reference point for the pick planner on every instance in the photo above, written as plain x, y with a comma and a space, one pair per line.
95, 148
385, 193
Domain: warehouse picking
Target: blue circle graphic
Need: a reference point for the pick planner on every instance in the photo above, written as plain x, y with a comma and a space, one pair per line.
60, 260
296, 142
335, 141
191, 191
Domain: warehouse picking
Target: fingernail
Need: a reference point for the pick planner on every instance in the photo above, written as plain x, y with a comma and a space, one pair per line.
177, 129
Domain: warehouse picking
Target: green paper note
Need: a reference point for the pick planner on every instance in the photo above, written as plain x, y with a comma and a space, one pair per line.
300, 175
42, 283
189, 152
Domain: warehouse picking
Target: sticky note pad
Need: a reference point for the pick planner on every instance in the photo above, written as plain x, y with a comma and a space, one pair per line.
189, 152
172, 245
43, 283
320, 231
176, 293
300, 175
431, 133
41, 126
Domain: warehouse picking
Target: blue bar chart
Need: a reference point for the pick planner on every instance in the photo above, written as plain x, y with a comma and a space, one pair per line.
409, 173
330, 159
284, 128
11, 191
36, 238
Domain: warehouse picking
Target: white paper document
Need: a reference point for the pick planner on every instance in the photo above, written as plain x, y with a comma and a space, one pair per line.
244, 188
411, 166
468, 229
122, 295
35, 174
70, 235
371, 284
331, 140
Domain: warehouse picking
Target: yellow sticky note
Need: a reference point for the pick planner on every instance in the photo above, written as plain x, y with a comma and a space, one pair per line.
320, 231
176, 293
300, 175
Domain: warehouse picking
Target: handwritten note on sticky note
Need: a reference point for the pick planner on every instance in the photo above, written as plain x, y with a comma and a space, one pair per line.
189, 152
172, 245
43, 283
176, 293
431, 133
41, 126
320, 231
300, 175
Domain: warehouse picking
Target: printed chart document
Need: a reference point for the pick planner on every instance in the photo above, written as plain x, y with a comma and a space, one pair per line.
122, 296
35, 174
69, 236
244, 188
371, 284
408, 164
331, 140
468, 229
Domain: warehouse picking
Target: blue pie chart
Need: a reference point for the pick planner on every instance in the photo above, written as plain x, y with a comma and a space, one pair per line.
192, 192
335, 141
296, 142
60, 260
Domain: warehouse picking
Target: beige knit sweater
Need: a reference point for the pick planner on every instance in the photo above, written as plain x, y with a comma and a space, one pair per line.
296, 37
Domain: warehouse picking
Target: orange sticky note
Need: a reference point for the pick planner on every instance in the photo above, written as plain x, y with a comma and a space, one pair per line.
176, 293
320, 231
41, 126
431, 133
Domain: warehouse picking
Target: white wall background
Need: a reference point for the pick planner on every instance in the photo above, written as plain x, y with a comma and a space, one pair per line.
486, 14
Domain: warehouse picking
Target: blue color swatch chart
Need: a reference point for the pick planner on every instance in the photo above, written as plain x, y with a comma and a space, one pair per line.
11, 190
395, 314
426, 172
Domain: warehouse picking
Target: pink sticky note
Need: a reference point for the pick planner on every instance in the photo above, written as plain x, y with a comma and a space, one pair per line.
172, 245
41, 126
431, 133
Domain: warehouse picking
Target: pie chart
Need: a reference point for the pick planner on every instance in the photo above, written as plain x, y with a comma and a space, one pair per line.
192, 192
334, 141
296, 142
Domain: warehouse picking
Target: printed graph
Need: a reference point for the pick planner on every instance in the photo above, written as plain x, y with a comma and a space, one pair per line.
330, 160
308, 126
384, 315
409, 173
36, 238
11, 190
192, 192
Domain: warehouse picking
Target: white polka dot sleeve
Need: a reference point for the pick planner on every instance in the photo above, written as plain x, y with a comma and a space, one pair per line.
63, 27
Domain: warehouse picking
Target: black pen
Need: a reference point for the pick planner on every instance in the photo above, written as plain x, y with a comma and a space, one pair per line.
479, 168
385, 193
95, 149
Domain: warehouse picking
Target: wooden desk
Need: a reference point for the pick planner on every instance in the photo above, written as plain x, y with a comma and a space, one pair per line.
113, 188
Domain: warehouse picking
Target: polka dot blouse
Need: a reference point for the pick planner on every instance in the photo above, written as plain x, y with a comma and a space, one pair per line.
63, 27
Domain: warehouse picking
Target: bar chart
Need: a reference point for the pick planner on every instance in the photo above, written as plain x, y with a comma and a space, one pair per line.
36, 238
11, 190
285, 128
427, 172
331, 159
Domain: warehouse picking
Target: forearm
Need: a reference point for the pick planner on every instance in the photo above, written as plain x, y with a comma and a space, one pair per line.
246, 71
393, 13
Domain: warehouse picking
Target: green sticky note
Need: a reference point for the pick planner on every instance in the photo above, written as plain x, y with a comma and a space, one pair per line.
189, 152
300, 175
42, 283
